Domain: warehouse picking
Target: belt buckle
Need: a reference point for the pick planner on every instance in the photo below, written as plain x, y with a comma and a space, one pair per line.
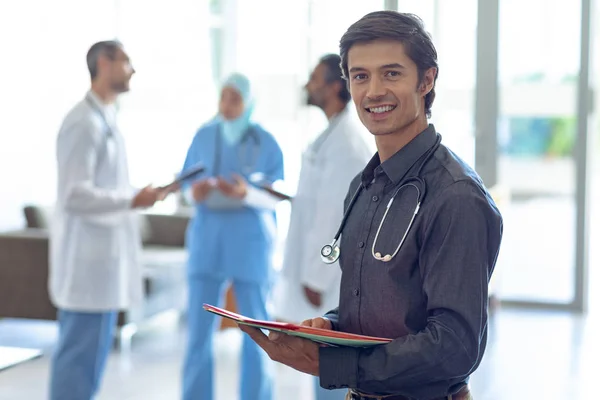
355, 395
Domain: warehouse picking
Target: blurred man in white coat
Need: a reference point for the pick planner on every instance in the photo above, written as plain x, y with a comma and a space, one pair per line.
307, 287
95, 237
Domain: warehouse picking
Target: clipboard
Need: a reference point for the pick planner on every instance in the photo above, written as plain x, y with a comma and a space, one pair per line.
276, 193
317, 335
185, 175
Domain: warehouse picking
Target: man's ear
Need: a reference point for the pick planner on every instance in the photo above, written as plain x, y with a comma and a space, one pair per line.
337, 87
428, 81
102, 62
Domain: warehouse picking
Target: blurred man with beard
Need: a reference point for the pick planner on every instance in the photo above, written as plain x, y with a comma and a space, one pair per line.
307, 286
95, 238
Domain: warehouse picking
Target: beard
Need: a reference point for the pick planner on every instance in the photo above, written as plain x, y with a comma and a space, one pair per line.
120, 87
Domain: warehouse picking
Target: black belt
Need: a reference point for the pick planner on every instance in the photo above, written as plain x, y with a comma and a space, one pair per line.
361, 396
462, 394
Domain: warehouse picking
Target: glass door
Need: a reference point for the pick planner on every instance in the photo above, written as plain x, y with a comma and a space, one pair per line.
536, 163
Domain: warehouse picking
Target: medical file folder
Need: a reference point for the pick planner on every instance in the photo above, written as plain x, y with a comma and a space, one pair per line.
322, 336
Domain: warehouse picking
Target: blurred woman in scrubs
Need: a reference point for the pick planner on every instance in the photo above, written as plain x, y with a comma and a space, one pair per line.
231, 237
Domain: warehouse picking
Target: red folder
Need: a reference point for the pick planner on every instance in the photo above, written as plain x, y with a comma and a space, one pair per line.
323, 336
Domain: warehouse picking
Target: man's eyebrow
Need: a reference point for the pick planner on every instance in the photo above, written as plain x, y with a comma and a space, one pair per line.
386, 66
357, 69
393, 65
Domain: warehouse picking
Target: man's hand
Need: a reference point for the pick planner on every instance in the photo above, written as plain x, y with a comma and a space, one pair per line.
146, 197
201, 189
321, 323
312, 296
295, 352
237, 190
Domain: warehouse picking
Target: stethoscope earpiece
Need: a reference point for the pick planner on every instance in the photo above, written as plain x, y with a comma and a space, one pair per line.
379, 257
330, 253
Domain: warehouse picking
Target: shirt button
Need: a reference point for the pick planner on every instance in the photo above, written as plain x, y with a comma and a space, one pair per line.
356, 292
375, 198
361, 244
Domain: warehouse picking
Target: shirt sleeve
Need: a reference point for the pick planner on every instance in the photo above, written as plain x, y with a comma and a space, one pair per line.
460, 242
77, 154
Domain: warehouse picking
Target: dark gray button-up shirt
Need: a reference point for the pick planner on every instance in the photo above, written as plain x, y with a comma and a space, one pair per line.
431, 298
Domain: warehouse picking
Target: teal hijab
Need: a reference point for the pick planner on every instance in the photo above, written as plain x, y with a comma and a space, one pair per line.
234, 130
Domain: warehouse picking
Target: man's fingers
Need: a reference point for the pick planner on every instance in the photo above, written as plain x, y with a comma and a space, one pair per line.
316, 323
307, 322
256, 334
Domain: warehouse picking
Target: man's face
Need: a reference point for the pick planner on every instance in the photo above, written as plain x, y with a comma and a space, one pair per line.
231, 104
384, 84
120, 71
317, 88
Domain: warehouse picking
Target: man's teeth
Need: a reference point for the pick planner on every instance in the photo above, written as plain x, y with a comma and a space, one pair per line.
382, 109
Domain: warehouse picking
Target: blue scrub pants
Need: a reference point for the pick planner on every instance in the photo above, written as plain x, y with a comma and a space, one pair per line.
77, 365
325, 394
256, 374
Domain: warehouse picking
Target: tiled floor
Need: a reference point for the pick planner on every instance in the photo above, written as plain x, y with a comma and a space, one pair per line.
531, 355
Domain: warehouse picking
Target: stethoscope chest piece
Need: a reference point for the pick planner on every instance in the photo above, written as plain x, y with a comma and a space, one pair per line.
330, 253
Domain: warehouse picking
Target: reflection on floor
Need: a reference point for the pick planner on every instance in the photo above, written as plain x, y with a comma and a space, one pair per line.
531, 355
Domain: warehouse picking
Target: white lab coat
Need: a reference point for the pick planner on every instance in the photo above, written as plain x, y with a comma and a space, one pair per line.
95, 241
328, 166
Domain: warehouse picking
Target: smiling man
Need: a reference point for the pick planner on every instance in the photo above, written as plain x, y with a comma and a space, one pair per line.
415, 269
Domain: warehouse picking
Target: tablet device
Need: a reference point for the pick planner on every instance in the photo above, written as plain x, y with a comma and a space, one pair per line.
187, 174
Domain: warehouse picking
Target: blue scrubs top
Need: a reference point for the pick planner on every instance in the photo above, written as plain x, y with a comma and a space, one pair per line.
233, 243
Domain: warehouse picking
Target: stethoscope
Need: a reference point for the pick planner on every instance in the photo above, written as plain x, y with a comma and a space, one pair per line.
330, 253
249, 161
97, 110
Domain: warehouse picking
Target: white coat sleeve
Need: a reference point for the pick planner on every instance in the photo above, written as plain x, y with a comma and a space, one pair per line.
334, 182
77, 153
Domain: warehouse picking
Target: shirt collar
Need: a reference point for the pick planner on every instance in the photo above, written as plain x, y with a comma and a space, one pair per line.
107, 109
336, 117
401, 162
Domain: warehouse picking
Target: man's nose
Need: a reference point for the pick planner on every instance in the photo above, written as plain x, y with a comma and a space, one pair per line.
376, 89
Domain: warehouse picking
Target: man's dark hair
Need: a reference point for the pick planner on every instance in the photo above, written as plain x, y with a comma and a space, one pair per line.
334, 73
405, 28
107, 48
